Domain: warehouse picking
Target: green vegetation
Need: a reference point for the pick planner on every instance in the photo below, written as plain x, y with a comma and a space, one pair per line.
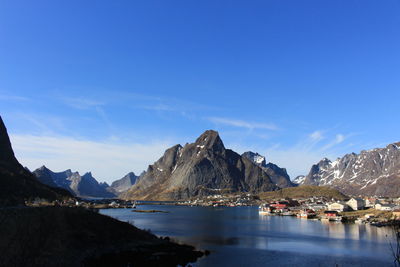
304, 191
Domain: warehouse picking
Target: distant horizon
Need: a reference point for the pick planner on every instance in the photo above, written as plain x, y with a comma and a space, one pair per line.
108, 86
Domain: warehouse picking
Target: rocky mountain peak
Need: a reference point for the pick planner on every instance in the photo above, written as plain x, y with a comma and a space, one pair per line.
299, 179
210, 139
198, 169
6, 153
256, 158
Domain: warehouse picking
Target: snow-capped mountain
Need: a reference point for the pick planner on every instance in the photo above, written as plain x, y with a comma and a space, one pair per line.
299, 179
372, 172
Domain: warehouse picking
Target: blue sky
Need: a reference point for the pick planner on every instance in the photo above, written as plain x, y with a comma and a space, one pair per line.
107, 86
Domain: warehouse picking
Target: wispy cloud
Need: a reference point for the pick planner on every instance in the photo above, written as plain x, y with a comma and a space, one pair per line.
158, 107
316, 136
339, 138
13, 98
61, 153
82, 103
242, 124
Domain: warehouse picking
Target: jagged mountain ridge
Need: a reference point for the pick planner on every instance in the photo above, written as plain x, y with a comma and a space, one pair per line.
82, 186
198, 169
17, 183
278, 175
121, 185
374, 172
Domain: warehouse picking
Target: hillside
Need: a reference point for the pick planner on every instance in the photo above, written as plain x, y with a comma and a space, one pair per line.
55, 236
304, 191
16, 183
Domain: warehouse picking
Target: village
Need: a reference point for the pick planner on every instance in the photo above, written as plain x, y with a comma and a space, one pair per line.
372, 210
375, 211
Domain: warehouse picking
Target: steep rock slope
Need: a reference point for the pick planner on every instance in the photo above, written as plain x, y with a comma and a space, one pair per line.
16, 182
372, 172
123, 184
82, 186
198, 169
278, 175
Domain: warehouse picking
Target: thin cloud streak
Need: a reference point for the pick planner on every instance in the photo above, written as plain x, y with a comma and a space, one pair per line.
14, 98
82, 103
242, 124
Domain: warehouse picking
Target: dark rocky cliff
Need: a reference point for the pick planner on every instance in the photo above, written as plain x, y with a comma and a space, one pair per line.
17, 183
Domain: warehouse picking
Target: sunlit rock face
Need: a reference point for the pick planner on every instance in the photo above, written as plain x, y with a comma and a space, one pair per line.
198, 169
374, 172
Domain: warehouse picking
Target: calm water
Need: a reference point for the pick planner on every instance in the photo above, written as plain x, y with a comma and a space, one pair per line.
241, 237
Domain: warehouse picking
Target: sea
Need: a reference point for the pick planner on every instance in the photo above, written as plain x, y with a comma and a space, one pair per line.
240, 236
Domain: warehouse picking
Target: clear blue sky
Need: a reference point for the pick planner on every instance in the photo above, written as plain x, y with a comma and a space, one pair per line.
107, 86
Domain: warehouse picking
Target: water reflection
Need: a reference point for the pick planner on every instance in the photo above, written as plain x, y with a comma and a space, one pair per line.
244, 229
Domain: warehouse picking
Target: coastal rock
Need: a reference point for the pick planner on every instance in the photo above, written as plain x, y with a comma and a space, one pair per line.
198, 169
374, 172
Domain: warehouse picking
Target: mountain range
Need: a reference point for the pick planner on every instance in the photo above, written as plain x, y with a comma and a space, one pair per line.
84, 185
202, 168
373, 172
18, 184
79, 185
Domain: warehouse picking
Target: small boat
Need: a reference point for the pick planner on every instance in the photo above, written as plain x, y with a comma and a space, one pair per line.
306, 214
287, 213
134, 205
335, 219
265, 209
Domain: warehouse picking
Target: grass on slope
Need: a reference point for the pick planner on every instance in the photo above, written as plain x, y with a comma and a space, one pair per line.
304, 191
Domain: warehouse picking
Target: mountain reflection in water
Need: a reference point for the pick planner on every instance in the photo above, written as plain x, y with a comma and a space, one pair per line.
239, 236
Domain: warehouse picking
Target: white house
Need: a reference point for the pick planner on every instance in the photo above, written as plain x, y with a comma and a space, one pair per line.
337, 206
387, 207
356, 203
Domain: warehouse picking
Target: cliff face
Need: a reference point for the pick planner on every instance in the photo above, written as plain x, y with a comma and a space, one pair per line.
278, 175
373, 172
82, 186
16, 182
198, 169
123, 184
